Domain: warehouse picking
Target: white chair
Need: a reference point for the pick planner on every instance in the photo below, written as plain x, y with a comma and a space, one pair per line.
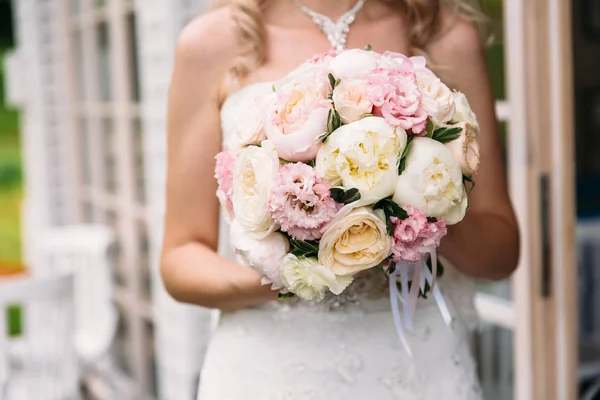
85, 251
39, 364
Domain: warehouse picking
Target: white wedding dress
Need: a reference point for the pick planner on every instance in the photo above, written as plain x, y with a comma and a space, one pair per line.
343, 348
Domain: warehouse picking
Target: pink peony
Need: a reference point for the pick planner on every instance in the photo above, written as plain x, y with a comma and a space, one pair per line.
323, 58
224, 175
298, 113
396, 97
416, 236
300, 202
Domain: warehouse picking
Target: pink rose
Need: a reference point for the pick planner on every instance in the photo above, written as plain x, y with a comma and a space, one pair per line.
323, 58
415, 236
298, 113
224, 175
300, 202
396, 97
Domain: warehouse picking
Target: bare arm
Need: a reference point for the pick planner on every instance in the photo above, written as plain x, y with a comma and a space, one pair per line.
486, 244
191, 269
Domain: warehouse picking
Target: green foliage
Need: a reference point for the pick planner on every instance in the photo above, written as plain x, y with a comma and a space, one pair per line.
305, 248
390, 209
345, 196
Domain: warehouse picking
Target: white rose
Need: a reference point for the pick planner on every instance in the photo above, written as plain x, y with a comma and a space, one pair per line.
465, 149
463, 112
265, 256
309, 280
253, 174
363, 155
353, 64
351, 101
247, 123
432, 181
354, 242
436, 98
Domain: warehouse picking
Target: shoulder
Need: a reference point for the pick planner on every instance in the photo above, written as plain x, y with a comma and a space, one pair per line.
208, 43
459, 46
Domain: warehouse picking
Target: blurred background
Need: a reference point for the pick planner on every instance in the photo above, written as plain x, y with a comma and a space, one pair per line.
82, 159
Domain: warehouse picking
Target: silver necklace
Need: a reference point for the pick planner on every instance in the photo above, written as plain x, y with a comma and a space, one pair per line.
336, 32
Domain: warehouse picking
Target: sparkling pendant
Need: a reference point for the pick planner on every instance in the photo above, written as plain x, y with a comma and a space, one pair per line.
336, 32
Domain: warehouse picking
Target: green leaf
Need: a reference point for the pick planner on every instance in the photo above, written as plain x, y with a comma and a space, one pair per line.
446, 134
368, 48
334, 121
310, 163
285, 296
330, 96
305, 248
331, 80
345, 196
337, 194
323, 137
351, 196
368, 115
337, 82
392, 268
430, 128
468, 179
402, 164
390, 209
432, 219
273, 87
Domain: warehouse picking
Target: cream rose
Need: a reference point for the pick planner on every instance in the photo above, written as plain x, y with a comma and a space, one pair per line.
353, 64
363, 155
247, 123
309, 280
354, 242
465, 149
463, 112
254, 171
436, 98
263, 256
432, 181
351, 101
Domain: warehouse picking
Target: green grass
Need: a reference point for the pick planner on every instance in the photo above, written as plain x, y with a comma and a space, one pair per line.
10, 179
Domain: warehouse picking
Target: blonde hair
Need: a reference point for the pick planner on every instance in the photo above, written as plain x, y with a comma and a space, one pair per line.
423, 26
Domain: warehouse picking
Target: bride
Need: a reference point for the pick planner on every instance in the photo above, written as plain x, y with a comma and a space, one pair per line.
345, 347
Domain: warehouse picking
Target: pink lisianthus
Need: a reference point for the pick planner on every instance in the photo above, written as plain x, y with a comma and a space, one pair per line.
300, 202
416, 236
397, 98
224, 175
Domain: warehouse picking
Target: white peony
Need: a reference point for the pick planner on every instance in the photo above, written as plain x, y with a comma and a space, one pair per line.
363, 155
354, 242
353, 64
351, 100
254, 171
466, 149
309, 280
247, 123
432, 181
436, 98
263, 256
463, 112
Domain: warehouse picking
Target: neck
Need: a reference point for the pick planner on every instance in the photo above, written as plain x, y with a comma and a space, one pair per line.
331, 8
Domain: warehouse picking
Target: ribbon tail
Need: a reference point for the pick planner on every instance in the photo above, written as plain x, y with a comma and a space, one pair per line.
414, 291
394, 296
439, 299
433, 258
405, 295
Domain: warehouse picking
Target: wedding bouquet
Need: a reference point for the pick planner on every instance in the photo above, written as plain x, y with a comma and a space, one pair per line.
356, 160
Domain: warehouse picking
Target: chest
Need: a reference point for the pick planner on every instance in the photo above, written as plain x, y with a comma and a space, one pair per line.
288, 48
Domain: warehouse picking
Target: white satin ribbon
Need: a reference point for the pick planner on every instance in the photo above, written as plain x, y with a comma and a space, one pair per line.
420, 276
